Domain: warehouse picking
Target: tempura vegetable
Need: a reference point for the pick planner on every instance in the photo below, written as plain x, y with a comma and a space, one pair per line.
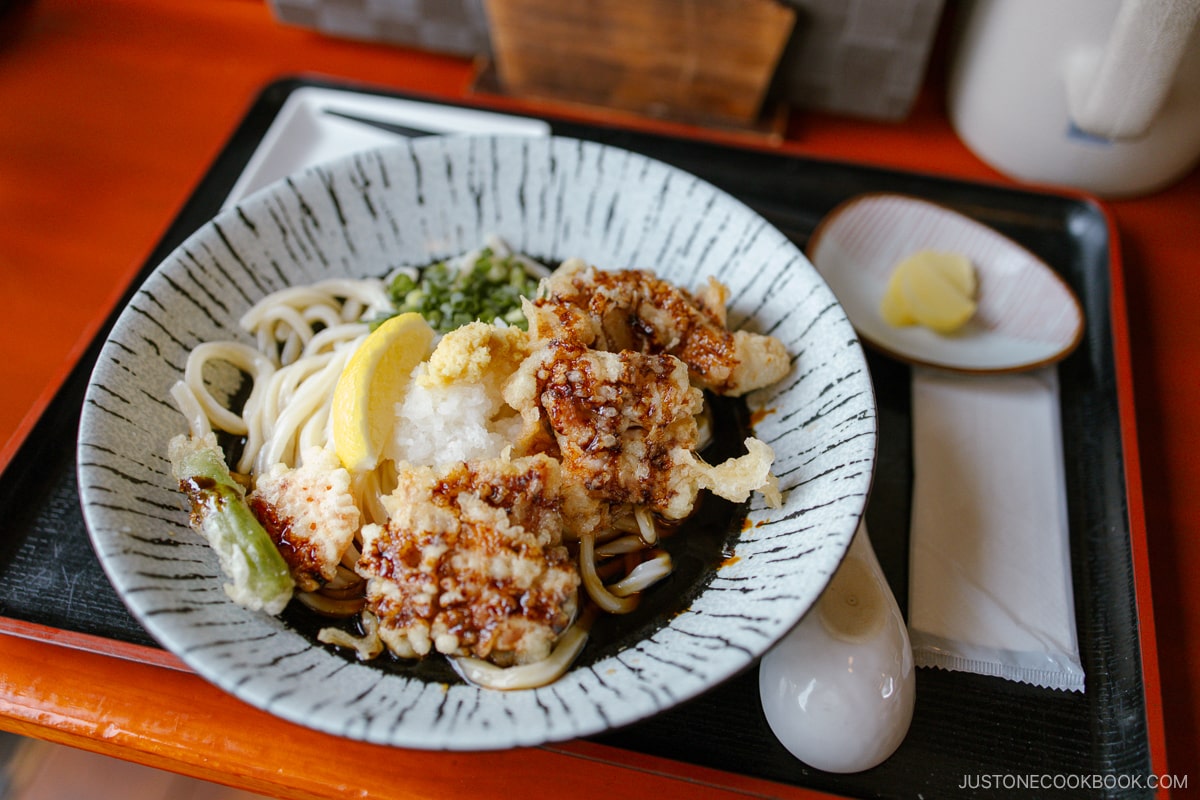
258, 573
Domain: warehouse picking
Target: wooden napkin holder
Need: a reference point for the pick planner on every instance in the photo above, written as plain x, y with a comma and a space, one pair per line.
706, 62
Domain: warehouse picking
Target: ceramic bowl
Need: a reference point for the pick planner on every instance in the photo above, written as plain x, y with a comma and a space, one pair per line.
740, 585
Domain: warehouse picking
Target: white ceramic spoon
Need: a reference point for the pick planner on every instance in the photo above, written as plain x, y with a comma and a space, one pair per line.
1027, 316
838, 690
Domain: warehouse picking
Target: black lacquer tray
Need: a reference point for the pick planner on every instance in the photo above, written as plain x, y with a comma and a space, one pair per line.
964, 725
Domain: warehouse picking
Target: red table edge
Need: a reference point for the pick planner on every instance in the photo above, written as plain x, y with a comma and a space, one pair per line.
34, 714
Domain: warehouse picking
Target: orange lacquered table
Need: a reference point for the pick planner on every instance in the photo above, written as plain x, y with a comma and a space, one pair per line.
112, 113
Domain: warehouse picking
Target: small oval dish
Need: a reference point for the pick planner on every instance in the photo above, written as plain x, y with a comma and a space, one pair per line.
1026, 317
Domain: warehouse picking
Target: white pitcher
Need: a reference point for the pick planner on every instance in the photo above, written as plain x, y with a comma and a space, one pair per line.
1101, 95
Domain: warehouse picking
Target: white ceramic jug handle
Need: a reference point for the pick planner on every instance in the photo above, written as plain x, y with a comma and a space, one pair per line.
1116, 94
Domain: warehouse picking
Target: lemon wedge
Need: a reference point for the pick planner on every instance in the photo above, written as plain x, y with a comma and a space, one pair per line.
371, 383
930, 288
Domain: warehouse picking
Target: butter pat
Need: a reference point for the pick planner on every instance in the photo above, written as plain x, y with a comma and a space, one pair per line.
931, 288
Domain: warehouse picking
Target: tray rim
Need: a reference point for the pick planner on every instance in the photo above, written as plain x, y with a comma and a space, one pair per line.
1134, 498
236, 151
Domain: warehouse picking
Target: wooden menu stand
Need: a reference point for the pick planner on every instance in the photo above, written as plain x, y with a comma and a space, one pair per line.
697, 62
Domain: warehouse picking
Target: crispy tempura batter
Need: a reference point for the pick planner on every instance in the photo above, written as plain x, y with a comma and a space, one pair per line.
471, 562
620, 420
634, 310
310, 514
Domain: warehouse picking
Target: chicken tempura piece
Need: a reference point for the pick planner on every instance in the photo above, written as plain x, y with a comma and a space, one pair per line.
618, 418
471, 562
635, 310
310, 514
625, 425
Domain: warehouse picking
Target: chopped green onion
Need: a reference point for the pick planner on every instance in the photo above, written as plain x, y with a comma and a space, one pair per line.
448, 297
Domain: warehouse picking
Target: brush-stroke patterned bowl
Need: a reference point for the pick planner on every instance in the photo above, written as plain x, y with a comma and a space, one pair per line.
432, 198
